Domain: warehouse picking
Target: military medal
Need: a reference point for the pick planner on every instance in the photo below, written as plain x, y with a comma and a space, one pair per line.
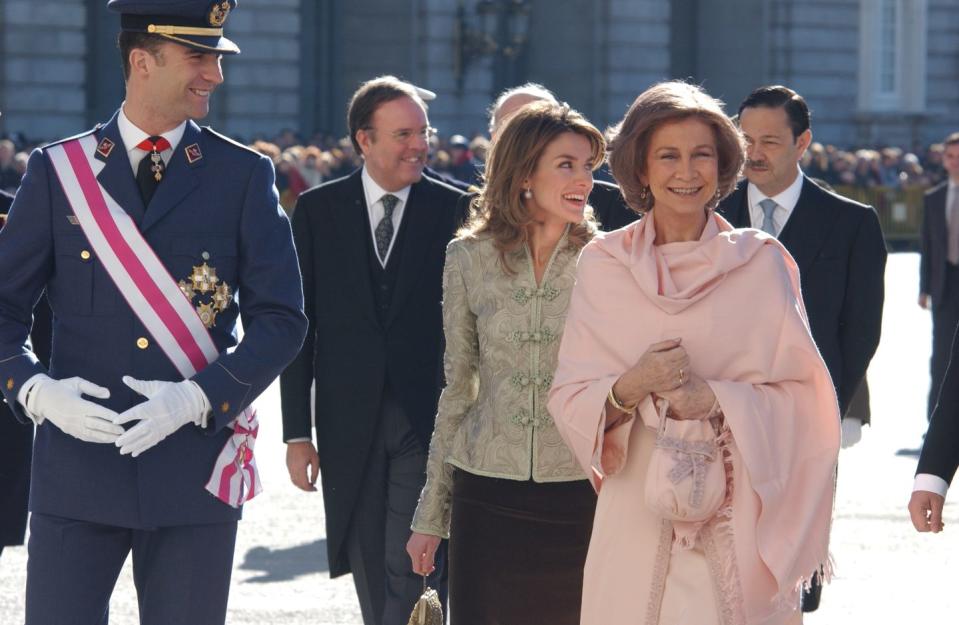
157, 166
202, 281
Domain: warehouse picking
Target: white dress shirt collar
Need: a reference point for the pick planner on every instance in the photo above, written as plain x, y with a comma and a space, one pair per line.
132, 136
785, 201
374, 205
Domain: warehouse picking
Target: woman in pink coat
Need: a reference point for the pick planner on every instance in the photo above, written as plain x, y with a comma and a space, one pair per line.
680, 325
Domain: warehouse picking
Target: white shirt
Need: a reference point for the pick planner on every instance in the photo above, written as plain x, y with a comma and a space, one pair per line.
374, 204
132, 136
785, 203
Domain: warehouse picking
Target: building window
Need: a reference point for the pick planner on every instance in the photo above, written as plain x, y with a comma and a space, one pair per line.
892, 56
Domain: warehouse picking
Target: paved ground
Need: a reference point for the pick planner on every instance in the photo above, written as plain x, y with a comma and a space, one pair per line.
887, 573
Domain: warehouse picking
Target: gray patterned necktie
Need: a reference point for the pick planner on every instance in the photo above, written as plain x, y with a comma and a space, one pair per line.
384, 229
769, 207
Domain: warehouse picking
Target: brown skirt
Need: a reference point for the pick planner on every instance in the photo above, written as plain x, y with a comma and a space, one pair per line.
517, 550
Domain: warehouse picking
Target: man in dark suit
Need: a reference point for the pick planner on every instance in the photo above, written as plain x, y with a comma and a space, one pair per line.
143, 443
372, 247
939, 265
609, 207
837, 243
940, 454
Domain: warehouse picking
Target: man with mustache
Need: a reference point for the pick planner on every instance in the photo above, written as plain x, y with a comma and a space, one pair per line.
371, 248
150, 237
837, 243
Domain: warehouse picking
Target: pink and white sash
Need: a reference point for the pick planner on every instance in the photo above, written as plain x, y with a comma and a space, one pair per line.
156, 300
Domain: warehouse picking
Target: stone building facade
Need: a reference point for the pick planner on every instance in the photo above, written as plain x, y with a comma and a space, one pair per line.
874, 71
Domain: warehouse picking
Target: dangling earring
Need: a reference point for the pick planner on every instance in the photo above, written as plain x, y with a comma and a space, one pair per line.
719, 196
642, 194
528, 194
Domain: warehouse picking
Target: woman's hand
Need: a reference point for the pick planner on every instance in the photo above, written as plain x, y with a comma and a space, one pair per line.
663, 367
422, 551
692, 400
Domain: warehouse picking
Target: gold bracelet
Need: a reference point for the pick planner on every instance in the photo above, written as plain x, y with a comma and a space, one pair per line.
617, 405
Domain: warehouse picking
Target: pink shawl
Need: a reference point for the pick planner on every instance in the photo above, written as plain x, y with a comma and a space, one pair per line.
733, 296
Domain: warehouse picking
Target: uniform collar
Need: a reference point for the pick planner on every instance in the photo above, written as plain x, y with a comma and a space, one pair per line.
132, 135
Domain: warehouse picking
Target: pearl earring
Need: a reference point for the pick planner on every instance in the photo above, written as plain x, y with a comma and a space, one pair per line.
528, 194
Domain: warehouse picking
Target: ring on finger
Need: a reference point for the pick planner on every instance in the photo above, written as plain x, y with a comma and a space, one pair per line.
682, 376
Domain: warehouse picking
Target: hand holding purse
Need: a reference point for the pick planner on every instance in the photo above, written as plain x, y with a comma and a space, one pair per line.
685, 480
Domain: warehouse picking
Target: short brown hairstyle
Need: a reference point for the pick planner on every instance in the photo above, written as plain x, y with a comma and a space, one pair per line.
498, 210
952, 139
127, 41
370, 96
661, 104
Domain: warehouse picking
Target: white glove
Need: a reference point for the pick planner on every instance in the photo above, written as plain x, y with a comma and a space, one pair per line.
169, 406
851, 431
60, 402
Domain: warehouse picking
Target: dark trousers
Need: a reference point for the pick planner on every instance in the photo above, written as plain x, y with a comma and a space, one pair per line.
945, 318
385, 582
182, 574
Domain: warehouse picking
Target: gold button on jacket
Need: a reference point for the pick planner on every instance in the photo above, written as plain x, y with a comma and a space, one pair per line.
142, 343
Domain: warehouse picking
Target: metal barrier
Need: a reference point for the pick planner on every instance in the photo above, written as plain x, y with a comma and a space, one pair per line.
900, 212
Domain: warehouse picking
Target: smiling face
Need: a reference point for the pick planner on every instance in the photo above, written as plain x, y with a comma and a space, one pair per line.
772, 152
562, 180
682, 168
178, 82
395, 146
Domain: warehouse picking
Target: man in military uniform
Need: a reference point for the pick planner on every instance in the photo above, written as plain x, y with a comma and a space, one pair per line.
143, 232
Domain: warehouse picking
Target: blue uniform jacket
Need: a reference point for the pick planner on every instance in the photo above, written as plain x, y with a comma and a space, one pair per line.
222, 209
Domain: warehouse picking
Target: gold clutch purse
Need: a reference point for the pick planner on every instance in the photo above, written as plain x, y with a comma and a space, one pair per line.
428, 609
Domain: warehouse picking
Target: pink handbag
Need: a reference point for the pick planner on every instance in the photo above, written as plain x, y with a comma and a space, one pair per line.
686, 479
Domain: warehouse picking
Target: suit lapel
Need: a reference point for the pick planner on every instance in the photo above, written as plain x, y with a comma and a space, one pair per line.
420, 225
736, 208
180, 178
809, 225
354, 236
939, 225
117, 177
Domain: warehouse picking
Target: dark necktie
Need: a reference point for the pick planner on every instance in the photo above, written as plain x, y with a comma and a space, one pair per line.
151, 167
384, 229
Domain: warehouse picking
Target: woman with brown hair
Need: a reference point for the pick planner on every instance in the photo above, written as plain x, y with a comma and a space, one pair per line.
689, 387
501, 484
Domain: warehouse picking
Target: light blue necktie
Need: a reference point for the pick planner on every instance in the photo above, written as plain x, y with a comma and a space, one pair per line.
769, 207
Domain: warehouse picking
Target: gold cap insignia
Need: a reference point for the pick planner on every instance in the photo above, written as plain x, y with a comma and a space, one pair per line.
218, 13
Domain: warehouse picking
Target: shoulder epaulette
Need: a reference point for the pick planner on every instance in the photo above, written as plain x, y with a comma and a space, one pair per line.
212, 133
76, 136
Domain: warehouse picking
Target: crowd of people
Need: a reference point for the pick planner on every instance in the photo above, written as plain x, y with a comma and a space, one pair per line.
304, 163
